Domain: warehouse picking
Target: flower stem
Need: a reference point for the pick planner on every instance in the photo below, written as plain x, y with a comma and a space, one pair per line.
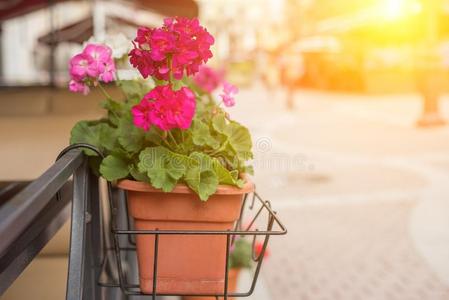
173, 138
170, 71
164, 139
103, 90
182, 136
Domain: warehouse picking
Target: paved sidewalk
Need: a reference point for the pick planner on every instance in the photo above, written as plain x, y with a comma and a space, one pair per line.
363, 193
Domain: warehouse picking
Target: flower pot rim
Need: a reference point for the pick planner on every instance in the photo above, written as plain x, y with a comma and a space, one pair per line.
180, 188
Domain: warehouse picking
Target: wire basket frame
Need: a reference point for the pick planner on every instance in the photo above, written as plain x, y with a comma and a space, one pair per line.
123, 249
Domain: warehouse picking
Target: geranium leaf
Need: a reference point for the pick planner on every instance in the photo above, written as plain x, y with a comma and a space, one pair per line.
113, 168
201, 177
134, 89
139, 176
201, 135
108, 137
224, 176
163, 167
238, 136
99, 135
130, 137
114, 109
241, 255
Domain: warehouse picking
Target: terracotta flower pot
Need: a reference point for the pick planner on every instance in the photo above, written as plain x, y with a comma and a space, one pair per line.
232, 287
187, 264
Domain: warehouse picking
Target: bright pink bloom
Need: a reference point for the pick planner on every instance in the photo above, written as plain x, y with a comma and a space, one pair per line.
108, 74
78, 87
208, 79
181, 45
165, 108
141, 114
99, 52
94, 64
228, 94
142, 61
162, 42
82, 66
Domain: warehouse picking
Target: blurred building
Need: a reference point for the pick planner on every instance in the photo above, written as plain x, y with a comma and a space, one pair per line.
38, 37
375, 42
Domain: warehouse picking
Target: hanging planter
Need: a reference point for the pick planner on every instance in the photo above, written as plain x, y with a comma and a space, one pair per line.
186, 264
200, 261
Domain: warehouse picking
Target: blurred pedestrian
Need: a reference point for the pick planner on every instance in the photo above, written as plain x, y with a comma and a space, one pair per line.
292, 70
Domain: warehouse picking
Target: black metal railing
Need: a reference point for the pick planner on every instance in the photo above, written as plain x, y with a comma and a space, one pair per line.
30, 218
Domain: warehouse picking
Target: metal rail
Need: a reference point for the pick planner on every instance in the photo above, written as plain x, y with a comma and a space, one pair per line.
19, 212
33, 216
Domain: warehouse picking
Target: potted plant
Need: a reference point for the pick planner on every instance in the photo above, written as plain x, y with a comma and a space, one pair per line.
240, 257
172, 147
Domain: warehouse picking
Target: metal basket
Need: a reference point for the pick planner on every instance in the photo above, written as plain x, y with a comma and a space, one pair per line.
123, 252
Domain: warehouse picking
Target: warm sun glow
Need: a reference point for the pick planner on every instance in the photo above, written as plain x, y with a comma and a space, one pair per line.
394, 8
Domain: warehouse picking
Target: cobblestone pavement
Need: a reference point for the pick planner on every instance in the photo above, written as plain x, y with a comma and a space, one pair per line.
362, 191
353, 251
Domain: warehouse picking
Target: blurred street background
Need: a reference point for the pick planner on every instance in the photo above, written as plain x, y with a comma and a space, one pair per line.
347, 101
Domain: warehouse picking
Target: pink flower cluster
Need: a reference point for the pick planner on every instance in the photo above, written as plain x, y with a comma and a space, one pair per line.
228, 94
165, 108
94, 64
208, 79
179, 47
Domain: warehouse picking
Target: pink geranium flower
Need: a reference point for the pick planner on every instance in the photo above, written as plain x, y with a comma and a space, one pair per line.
180, 46
141, 114
94, 64
228, 94
100, 53
108, 74
82, 66
208, 79
165, 108
78, 87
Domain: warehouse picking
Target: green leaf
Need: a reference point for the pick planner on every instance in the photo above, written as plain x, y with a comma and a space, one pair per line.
238, 136
113, 168
153, 136
163, 167
99, 135
108, 137
201, 135
201, 177
204, 183
224, 175
248, 170
137, 175
134, 89
114, 109
241, 256
130, 137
